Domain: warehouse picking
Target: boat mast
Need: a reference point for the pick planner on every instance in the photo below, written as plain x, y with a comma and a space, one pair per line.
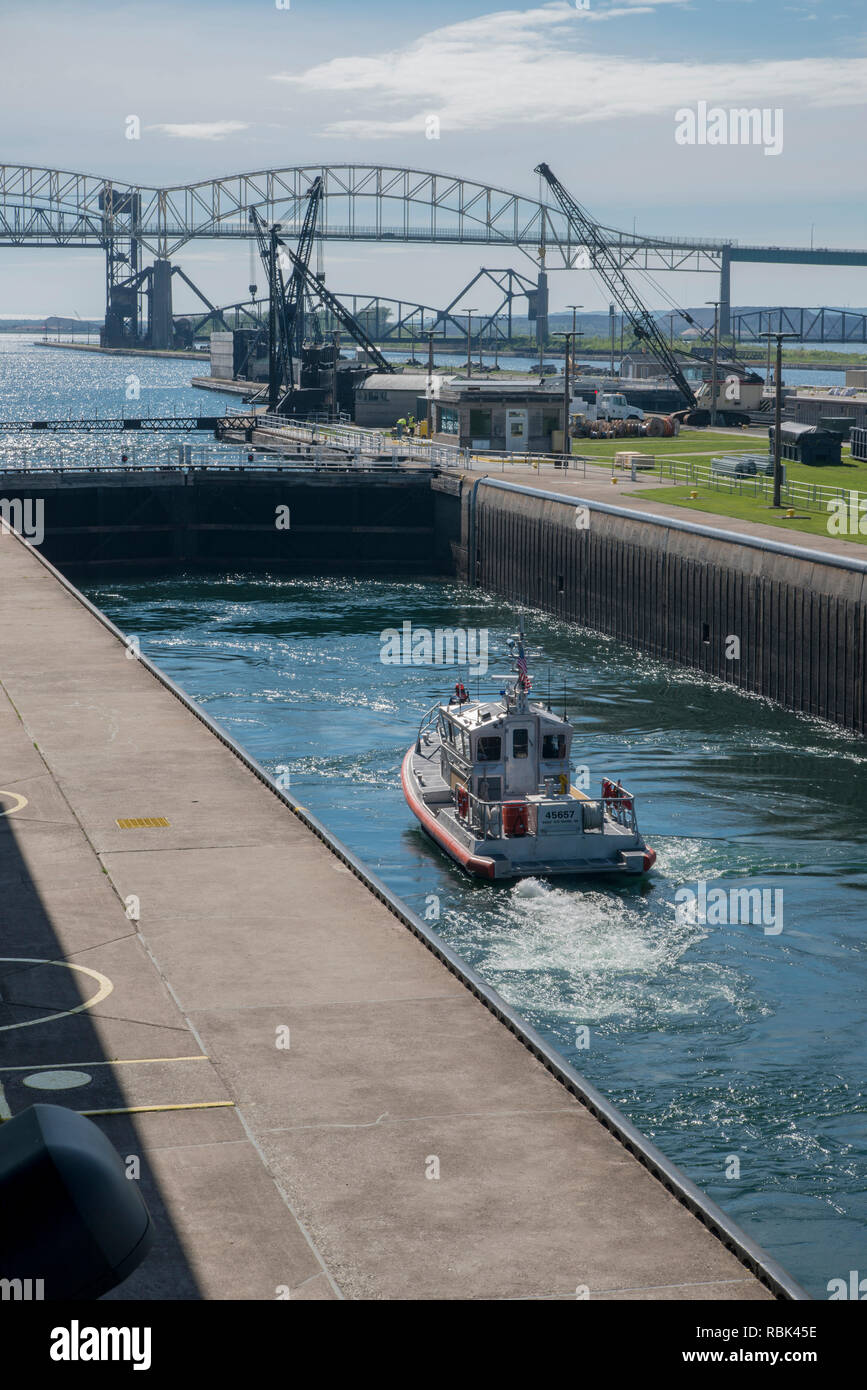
519, 690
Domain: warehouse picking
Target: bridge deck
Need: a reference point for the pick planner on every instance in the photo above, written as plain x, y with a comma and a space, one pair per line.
301, 1167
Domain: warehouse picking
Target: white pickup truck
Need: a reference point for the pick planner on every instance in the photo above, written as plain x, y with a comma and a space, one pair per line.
606, 407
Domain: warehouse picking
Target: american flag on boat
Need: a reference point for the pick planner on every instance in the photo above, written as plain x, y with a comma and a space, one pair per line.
521, 663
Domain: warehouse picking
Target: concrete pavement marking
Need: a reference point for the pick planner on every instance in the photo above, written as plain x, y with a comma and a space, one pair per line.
105, 988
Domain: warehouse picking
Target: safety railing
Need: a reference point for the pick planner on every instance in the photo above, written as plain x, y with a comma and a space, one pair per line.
816, 497
567, 463
512, 818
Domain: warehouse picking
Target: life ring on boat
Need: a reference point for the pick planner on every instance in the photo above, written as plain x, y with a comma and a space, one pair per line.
649, 859
514, 818
463, 801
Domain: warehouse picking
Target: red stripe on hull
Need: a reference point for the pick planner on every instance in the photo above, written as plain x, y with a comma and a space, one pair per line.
473, 863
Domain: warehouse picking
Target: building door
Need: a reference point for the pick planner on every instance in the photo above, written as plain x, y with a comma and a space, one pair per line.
516, 431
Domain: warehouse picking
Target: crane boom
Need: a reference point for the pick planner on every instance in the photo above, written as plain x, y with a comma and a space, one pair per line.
605, 263
340, 312
295, 288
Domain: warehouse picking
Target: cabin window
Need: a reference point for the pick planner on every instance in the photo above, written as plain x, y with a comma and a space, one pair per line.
490, 789
554, 746
489, 749
520, 743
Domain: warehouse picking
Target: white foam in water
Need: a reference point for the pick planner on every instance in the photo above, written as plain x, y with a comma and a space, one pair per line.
590, 955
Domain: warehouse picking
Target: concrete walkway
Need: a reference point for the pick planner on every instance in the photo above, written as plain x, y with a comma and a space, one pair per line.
300, 1170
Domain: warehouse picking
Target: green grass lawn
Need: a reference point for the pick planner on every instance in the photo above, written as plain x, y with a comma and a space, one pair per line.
686, 444
700, 446
743, 508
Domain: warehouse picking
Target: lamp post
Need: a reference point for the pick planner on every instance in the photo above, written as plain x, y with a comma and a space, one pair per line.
430, 369
778, 412
567, 394
470, 313
716, 304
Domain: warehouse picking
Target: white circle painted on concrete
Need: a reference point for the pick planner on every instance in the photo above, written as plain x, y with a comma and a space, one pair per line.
57, 1080
104, 983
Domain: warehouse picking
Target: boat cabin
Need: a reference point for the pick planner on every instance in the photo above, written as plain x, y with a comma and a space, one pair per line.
499, 755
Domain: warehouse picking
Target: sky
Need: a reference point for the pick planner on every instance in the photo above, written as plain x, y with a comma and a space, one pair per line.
596, 88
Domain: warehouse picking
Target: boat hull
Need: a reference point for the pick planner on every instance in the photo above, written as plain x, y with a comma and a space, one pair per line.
616, 852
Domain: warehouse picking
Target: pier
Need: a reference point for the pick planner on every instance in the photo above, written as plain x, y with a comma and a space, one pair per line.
323, 1100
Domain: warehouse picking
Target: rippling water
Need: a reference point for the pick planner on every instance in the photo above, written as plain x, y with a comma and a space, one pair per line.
717, 1041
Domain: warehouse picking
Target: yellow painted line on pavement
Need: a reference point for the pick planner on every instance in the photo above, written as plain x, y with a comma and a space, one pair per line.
21, 802
142, 1109
117, 1062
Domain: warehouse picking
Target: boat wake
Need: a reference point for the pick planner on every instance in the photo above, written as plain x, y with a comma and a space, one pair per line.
620, 959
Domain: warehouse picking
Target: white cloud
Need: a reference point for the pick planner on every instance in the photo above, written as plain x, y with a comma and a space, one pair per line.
201, 130
535, 67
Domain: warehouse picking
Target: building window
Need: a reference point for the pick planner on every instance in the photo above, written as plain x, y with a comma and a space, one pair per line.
450, 420
480, 424
520, 743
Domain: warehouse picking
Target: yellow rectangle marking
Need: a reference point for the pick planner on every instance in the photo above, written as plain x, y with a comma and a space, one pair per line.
142, 822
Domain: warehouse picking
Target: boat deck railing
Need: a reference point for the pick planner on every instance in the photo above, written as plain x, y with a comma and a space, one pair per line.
486, 818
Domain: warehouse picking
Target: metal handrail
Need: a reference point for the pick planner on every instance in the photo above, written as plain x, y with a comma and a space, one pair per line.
486, 817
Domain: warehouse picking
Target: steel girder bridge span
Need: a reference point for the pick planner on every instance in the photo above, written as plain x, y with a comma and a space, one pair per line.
361, 202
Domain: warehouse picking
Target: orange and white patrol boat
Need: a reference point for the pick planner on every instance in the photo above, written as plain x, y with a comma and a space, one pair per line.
490, 782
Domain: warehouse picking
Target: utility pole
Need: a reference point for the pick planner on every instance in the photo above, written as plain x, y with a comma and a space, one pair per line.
778, 413
567, 393
716, 304
430, 367
611, 325
336, 339
273, 384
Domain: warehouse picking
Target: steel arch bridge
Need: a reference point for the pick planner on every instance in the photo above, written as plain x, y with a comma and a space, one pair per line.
361, 202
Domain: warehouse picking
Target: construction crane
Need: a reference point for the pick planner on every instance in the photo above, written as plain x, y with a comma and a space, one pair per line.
286, 317
604, 261
340, 312
279, 334
300, 272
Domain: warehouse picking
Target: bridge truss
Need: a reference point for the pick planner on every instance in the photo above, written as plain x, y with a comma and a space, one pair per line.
360, 202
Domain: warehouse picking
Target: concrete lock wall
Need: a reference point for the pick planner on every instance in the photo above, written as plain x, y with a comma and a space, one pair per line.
799, 626
300, 522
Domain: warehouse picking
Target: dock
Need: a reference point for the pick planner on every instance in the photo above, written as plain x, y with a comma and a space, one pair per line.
323, 1101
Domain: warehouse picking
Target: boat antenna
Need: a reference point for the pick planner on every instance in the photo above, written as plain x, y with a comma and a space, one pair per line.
565, 715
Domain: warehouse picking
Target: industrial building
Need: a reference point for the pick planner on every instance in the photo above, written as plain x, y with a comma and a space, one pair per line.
514, 417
